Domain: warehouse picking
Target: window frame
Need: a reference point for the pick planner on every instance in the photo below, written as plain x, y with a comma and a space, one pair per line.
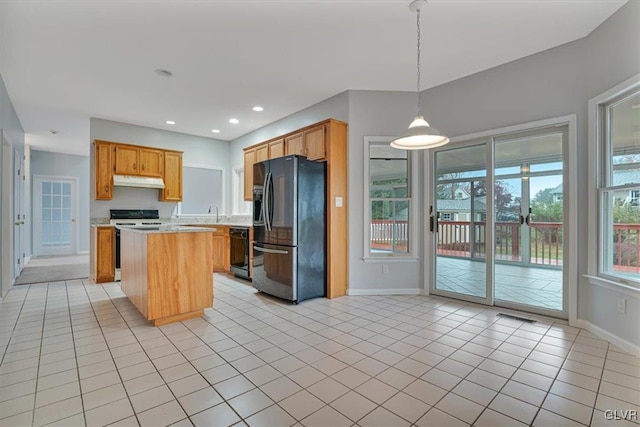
412, 164
222, 208
238, 193
600, 177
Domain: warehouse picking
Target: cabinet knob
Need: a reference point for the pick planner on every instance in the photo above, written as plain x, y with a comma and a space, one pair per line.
106, 188
134, 166
142, 167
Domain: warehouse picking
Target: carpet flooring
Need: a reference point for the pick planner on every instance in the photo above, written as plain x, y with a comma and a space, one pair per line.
53, 273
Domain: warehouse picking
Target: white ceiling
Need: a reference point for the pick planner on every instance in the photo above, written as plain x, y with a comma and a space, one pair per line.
65, 61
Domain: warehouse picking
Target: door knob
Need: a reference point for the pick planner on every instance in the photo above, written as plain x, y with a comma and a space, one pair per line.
73, 220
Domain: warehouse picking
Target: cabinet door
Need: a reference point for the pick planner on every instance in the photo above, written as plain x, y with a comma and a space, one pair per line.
262, 153
276, 149
294, 144
218, 252
104, 171
151, 162
249, 160
105, 254
314, 143
227, 250
172, 191
127, 160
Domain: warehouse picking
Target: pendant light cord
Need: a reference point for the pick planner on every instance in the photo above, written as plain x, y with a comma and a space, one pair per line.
418, 61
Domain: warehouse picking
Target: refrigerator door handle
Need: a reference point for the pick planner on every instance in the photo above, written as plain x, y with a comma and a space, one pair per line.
265, 201
268, 198
270, 251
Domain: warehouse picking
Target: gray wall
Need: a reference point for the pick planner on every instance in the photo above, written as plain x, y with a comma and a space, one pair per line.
197, 150
67, 165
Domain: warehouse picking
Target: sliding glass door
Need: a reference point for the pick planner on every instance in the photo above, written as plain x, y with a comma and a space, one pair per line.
459, 214
522, 215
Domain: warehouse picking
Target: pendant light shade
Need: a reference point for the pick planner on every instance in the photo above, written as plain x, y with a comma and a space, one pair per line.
420, 135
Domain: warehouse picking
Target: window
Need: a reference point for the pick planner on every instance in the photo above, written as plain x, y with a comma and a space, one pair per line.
389, 206
619, 148
240, 207
202, 191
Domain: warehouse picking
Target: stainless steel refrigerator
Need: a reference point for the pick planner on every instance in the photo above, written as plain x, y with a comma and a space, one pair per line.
289, 228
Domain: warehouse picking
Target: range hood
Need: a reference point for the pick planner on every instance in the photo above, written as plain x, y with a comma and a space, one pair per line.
137, 181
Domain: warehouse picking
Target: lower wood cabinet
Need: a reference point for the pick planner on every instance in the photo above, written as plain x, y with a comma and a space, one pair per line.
221, 249
104, 263
221, 261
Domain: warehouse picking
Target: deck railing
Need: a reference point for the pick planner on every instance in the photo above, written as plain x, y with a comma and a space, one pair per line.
460, 239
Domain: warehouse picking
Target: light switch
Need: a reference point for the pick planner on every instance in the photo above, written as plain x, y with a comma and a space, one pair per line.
338, 202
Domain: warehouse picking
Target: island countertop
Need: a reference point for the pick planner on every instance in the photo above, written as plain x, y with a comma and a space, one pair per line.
169, 228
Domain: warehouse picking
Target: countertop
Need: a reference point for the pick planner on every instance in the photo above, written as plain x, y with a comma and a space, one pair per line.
167, 229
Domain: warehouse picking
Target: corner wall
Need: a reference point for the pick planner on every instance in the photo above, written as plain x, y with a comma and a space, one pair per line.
12, 132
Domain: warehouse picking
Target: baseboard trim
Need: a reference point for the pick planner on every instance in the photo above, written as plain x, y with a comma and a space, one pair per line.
606, 335
371, 292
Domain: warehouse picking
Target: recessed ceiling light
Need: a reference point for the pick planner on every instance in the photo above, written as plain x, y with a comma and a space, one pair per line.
170, 122
215, 130
234, 121
258, 108
164, 73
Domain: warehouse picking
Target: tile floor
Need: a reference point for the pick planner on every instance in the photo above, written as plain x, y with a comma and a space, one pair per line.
76, 354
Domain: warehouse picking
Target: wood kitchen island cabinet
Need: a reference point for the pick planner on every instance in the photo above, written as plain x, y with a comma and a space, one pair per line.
166, 272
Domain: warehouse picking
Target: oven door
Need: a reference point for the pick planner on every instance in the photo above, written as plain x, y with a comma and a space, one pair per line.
239, 251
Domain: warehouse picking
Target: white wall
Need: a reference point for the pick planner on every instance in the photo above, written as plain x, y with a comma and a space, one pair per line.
197, 150
67, 165
12, 133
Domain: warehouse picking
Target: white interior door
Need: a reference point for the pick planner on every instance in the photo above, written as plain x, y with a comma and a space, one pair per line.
18, 213
55, 210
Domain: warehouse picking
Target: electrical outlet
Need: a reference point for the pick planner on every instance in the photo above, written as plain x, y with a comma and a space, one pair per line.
385, 269
622, 305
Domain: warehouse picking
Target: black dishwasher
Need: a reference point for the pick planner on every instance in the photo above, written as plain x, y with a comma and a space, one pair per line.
239, 248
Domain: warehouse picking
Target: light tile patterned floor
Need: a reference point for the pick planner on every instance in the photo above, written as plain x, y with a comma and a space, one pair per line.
533, 286
75, 354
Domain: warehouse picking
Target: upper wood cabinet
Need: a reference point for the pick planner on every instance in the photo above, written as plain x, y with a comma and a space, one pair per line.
151, 162
314, 144
103, 169
262, 153
126, 159
249, 160
276, 148
294, 144
172, 191
132, 160
309, 143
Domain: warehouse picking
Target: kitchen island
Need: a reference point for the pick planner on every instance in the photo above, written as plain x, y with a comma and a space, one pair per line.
166, 271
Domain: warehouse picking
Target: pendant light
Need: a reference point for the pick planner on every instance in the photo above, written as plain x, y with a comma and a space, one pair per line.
420, 135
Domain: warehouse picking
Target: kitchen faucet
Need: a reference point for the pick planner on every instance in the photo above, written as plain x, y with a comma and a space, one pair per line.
217, 213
